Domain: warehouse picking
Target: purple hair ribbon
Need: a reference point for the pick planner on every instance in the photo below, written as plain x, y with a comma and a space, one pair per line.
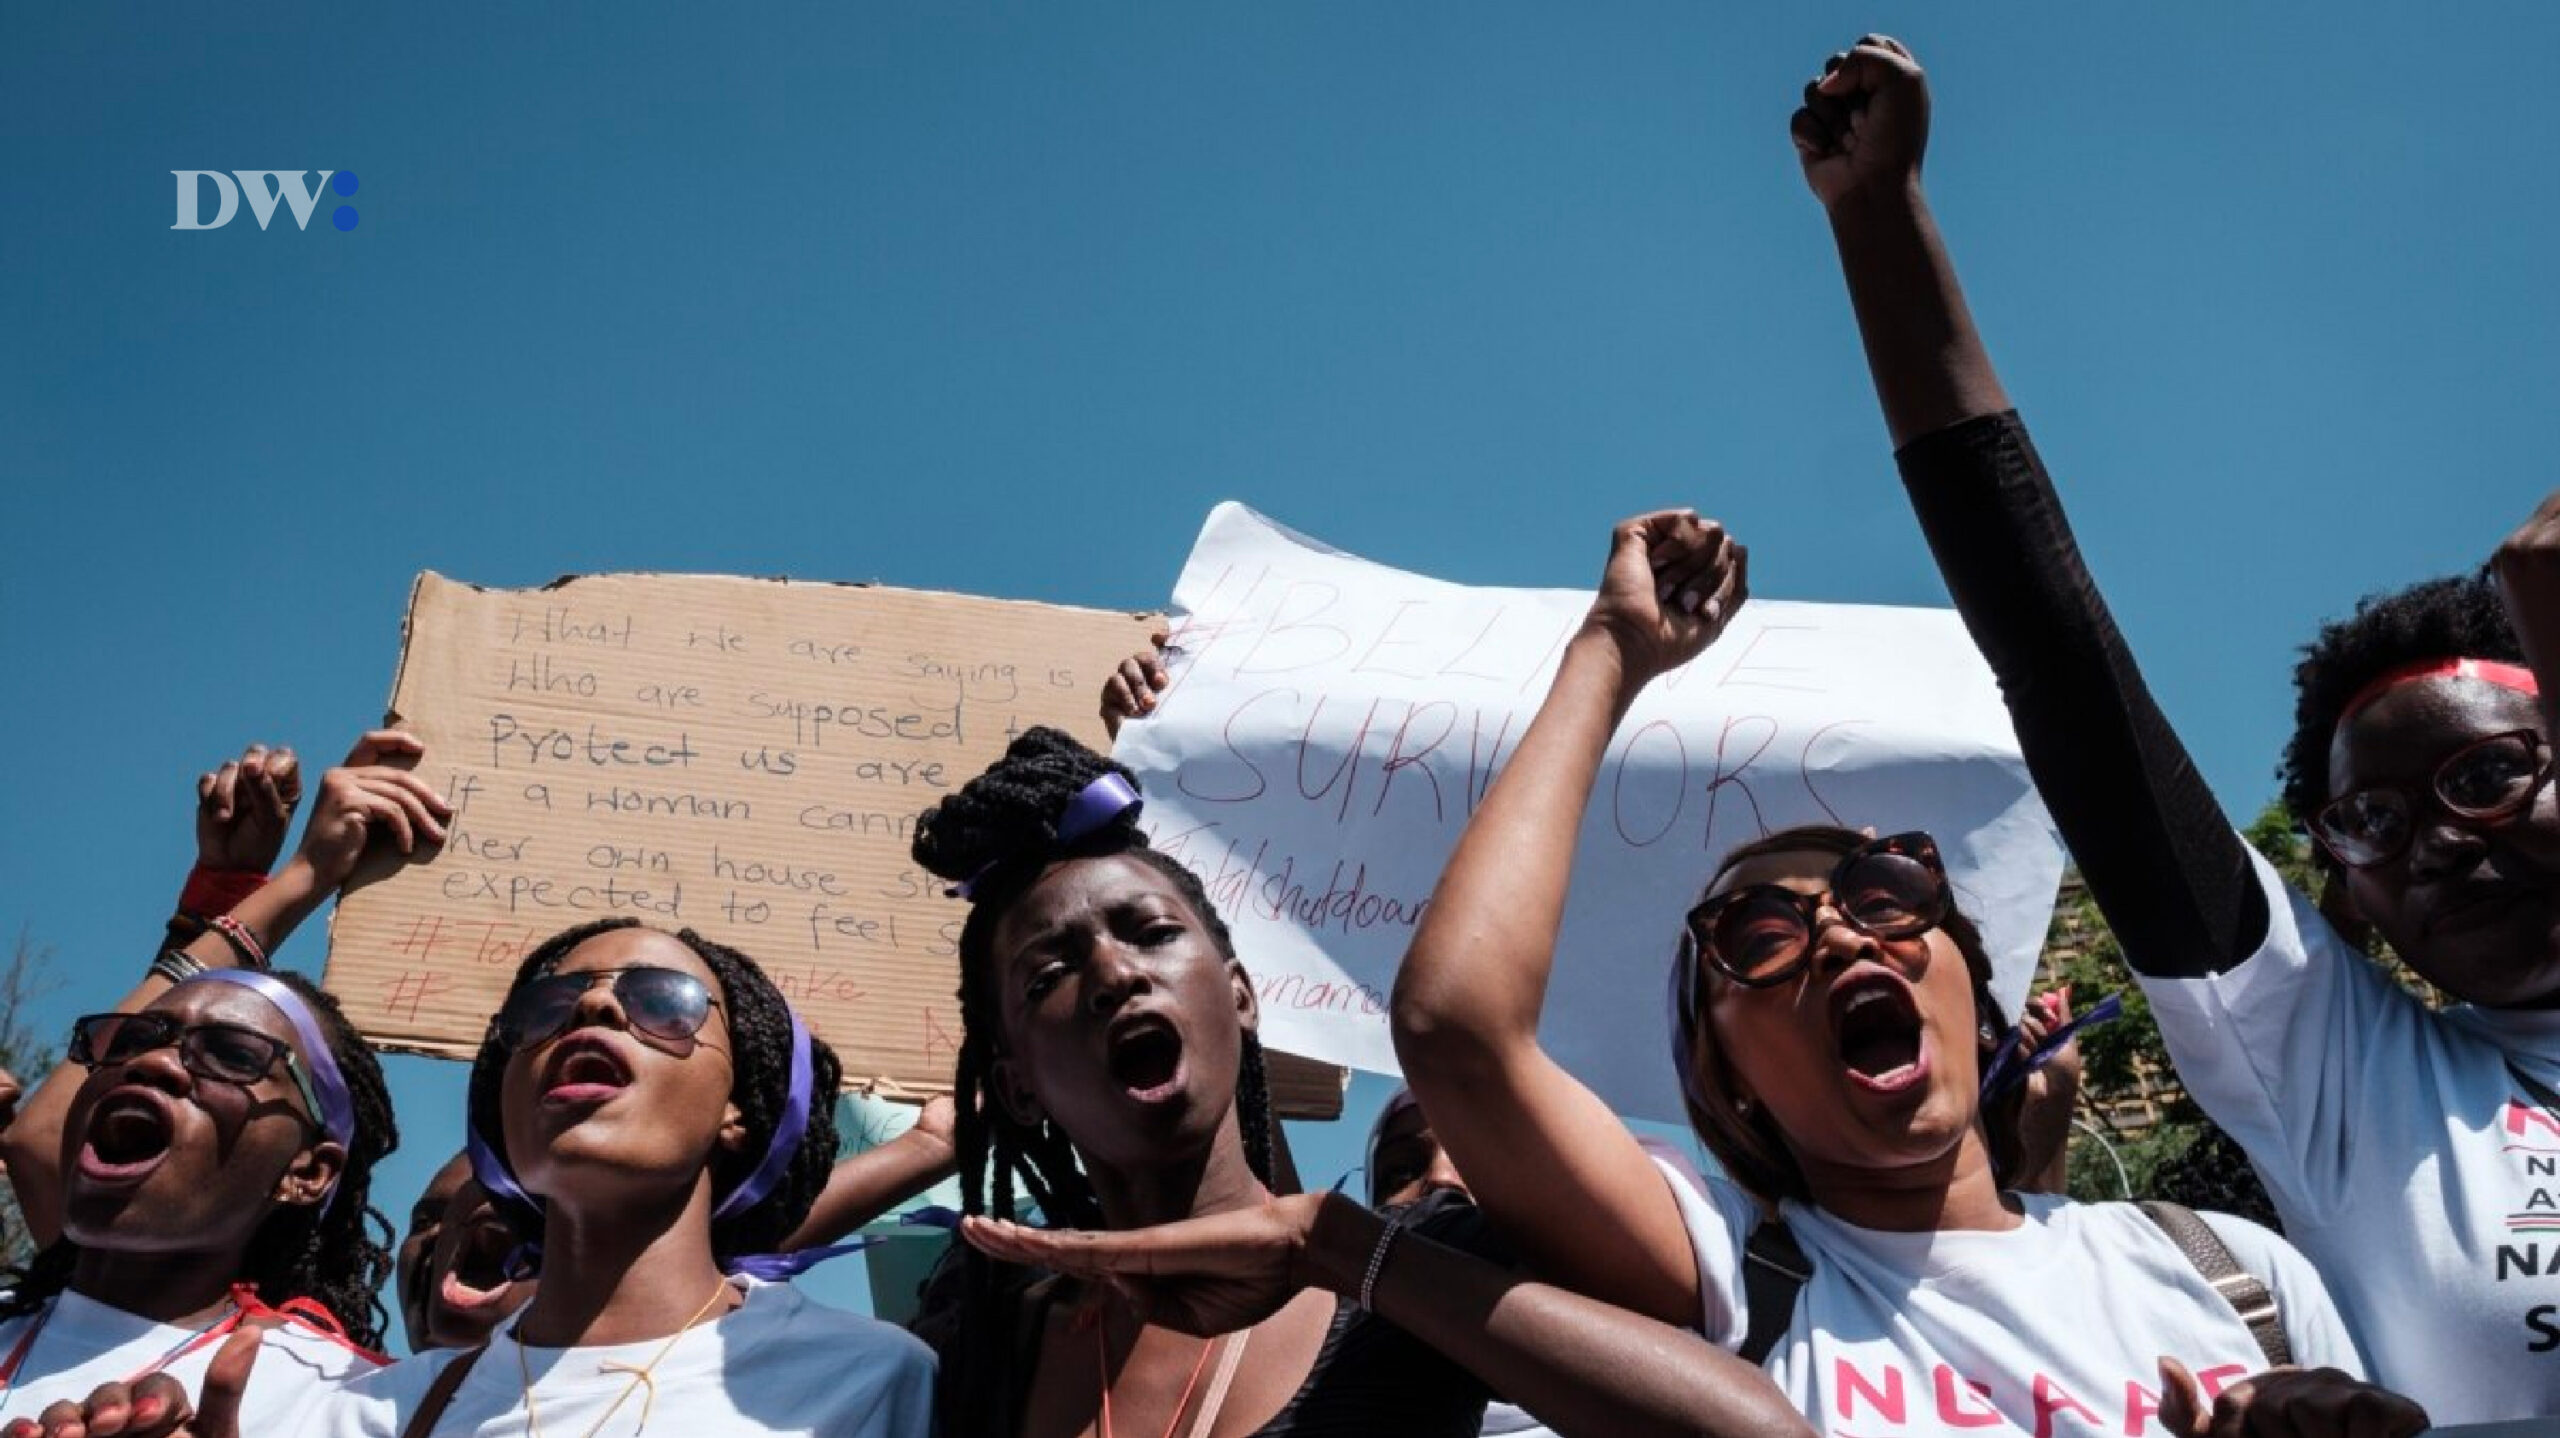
2011, 1062
337, 1115
1095, 805
491, 1170
786, 1134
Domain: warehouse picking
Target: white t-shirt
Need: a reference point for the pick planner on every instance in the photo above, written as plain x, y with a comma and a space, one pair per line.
2054, 1328
777, 1364
83, 1343
2404, 1158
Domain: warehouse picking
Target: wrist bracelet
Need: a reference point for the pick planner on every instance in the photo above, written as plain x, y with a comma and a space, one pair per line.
176, 966
244, 944
1378, 1260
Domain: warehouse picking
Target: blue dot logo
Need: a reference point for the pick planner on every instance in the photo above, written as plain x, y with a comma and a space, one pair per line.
344, 217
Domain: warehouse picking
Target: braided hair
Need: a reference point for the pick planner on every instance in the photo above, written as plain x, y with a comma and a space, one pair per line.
760, 1054
2457, 617
998, 834
335, 1253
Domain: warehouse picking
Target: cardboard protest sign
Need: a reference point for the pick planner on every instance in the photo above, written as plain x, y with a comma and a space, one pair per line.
1332, 723
746, 757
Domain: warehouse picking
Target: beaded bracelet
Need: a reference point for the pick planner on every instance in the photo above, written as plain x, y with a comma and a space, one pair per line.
1378, 1260
244, 944
176, 966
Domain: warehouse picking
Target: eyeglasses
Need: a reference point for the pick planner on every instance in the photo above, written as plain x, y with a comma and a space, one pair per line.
666, 1004
1762, 934
225, 1053
2489, 781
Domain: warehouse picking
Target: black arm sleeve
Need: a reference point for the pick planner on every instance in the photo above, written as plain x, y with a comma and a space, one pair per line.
2175, 883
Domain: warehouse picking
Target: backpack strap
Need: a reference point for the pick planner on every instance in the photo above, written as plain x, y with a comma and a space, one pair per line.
422, 1423
1774, 1271
2247, 1293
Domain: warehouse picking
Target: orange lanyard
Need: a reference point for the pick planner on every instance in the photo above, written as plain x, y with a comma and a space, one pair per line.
217, 1329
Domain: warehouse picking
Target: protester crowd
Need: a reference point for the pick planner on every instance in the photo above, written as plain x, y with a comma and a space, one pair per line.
1881, 1247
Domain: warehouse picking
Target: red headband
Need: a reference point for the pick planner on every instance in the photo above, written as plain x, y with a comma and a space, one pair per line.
2489, 671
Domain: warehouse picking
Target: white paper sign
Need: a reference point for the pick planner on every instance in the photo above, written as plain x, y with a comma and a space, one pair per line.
1332, 723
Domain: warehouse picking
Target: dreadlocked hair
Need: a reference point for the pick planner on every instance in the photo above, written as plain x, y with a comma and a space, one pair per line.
336, 1252
759, 1021
998, 834
2457, 617
1746, 1139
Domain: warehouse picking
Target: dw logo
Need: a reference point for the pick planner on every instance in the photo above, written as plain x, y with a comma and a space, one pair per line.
264, 188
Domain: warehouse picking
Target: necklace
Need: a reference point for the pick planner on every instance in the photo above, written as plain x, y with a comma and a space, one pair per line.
639, 1376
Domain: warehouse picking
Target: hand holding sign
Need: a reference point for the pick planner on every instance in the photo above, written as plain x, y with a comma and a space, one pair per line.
372, 801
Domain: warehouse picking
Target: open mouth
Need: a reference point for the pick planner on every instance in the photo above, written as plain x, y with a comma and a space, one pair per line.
478, 1280
1146, 1058
584, 1070
1875, 1025
129, 1135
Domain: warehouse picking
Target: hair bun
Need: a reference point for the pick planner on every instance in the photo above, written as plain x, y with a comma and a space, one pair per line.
1013, 808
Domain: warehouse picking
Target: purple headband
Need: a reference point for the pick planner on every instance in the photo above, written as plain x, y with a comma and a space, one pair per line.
786, 1134
336, 1109
492, 1172
1095, 805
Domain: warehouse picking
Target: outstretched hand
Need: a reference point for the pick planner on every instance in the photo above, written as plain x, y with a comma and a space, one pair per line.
1202, 1276
1672, 583
373, 799
2283, 1402
245, 808
157, 1406
1864, 125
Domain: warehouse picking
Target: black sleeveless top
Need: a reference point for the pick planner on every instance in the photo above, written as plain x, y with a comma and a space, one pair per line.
1370, 1379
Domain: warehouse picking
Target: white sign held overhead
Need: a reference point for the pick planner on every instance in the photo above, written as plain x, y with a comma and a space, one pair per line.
1333, 723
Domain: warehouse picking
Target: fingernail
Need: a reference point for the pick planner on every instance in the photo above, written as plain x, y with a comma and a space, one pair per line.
1715, 611
146, 1410
1689, 600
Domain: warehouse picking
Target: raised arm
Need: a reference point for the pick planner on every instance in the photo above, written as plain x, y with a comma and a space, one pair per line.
1579, 1365
869, 1184
2528, 570
371, 800
2175, 883
1551, 1165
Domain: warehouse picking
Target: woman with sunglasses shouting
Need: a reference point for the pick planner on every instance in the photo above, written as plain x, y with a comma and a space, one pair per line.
1833, 1021
202, 1161
655, 1121
1109, 1071
2405, 1147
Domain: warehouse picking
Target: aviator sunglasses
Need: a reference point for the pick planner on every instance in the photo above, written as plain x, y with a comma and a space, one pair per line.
665, 1004
1762, 934
2489, 781
224, 1053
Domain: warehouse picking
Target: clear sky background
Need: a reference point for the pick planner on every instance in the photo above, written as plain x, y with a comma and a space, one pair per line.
1003, 299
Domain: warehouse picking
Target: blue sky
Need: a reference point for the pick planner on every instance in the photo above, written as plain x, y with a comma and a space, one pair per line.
1002, 300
